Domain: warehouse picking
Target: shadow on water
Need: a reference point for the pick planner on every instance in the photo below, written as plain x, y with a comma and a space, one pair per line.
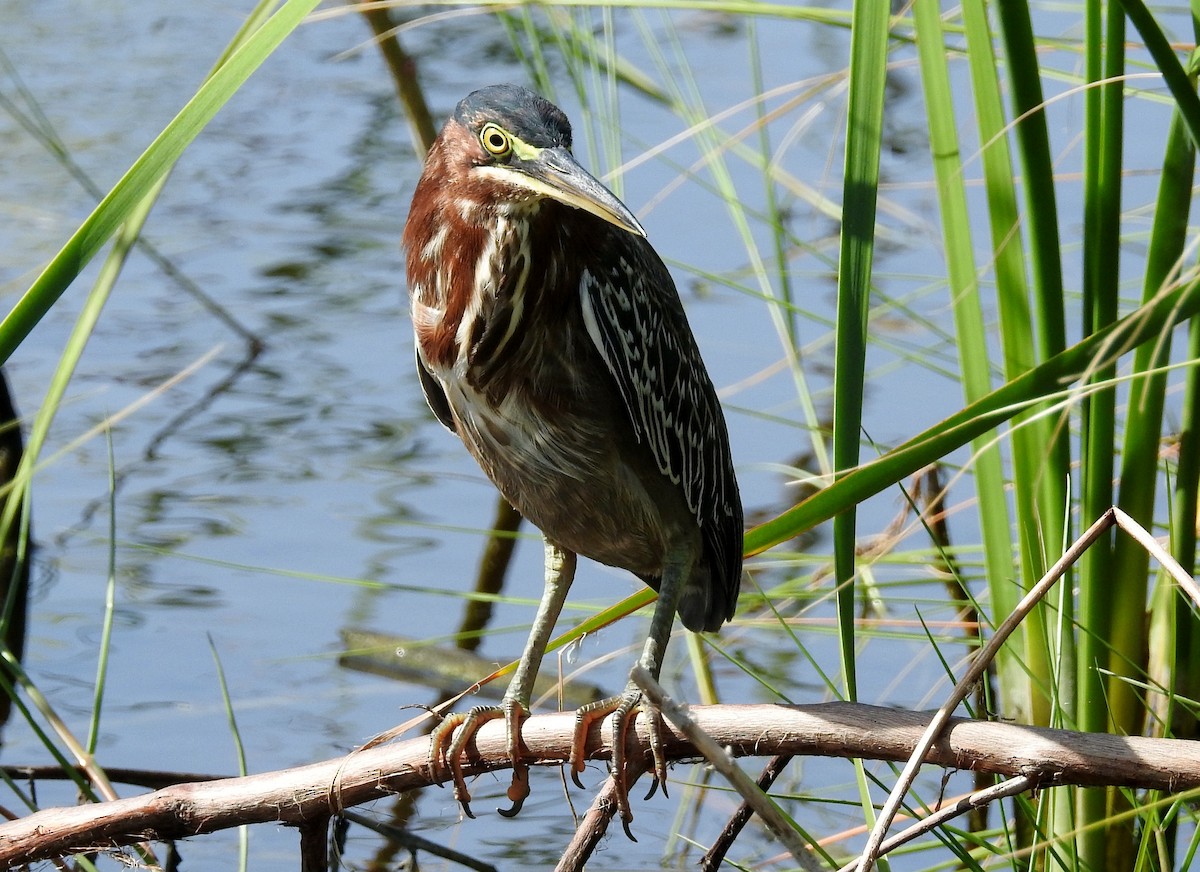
14, 550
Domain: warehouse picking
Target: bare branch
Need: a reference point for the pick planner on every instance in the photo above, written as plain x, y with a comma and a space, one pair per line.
979, 665
722, 761
293, 796
595, 822
716, 853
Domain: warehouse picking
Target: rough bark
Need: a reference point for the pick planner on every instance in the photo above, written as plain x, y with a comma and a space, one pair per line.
320, 790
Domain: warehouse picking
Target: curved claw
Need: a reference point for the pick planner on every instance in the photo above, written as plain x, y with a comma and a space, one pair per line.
513, 810
624, 709
456, 770
629, 833
448, 744
518, 791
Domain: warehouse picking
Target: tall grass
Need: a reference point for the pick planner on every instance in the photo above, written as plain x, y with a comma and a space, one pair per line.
1064, 393
1066, 382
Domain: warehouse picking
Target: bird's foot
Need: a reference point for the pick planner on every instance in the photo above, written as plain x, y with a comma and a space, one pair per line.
449, 741
624, 709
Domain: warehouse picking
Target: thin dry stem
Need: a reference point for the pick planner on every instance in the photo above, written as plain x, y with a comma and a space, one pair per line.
984, 657
723, 762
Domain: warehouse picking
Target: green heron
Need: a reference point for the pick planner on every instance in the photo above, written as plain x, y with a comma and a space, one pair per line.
551, 339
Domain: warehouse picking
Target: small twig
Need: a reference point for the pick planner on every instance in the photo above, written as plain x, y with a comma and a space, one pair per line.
413, 842
734, 826
314, 845
595, 822
154, 779
979, 665
1169, 563
722, 761
978, 799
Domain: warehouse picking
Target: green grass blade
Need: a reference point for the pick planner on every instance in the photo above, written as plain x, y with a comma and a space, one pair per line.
1144, 426
145, 173
864, 141
1177, 79
238, 747
1171, 307
1185, 503
971, 334
110, 599
1033, 140
1104, 125
1050, 469
1016, 337
864, 136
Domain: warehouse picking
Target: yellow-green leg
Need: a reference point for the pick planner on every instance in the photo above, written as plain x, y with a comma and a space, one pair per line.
624, 708
450, 739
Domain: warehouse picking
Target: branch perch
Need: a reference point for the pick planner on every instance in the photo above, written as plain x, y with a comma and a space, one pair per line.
294, 796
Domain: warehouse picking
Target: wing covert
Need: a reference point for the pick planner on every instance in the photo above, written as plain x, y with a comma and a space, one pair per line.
636, 320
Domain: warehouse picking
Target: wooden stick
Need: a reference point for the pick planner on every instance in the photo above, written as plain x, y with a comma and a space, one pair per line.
979, 665
293, 796
723, 762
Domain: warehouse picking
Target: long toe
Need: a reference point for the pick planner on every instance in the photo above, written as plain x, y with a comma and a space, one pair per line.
440, 741
624, 709
585, 717
623, 718
449, 742
518, 790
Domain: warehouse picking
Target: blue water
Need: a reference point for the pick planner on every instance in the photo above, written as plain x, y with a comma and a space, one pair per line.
264, 506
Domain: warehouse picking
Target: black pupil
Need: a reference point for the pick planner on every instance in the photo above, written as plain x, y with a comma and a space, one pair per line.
496, 141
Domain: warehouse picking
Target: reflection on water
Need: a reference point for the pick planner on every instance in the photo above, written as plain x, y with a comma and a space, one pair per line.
14, 552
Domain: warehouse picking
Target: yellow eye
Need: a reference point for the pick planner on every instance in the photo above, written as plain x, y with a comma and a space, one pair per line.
495, 141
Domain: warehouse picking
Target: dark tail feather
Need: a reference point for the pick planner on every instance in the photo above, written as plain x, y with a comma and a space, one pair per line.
702, 608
